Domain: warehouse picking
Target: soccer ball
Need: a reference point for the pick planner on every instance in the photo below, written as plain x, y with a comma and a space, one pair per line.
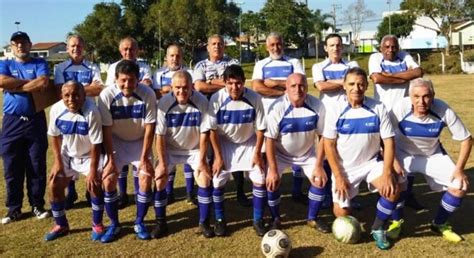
276, 243
346, 229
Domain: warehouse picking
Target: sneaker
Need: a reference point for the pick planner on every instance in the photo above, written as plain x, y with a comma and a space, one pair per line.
57, 232
110, 234
380, 238
191, 199
319, 225
259, 227
122, 201
395, 228
71, 198
11, 216
275, 224
171, 198
446, 231
206, 229
243, 200
300, 198
40, 212
220, 228
141, 231
413, 203
97, 232
161, 228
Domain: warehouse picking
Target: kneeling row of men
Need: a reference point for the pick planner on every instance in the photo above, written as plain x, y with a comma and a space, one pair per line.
297, 130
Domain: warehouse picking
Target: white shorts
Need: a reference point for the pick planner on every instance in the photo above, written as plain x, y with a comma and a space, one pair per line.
437, 169
73, 167
367, 172
128, 152
307, 163
192, 159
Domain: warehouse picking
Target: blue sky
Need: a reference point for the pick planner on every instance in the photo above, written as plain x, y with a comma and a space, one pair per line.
51, 20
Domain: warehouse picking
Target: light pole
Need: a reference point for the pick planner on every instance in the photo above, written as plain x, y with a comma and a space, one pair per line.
17, 23
389, 17
159, 39
240, 29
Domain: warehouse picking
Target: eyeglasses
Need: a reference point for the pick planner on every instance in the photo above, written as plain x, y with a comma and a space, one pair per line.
18, 43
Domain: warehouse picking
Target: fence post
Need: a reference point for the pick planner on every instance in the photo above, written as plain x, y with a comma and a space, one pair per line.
419, 58
442, 62
302, 62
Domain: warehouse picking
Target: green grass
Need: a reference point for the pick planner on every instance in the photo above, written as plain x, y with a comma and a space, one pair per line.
25, 237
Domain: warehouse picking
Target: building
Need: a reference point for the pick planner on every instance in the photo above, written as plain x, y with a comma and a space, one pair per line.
463, 34
42, 49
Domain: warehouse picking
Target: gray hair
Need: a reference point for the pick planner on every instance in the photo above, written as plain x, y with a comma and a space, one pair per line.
182, 74
274, 35
131, 39
421, 82
387, 37
75, 84
216, 36
76, 36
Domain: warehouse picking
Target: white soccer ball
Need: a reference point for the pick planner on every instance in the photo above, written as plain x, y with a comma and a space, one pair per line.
276, 243
346, 229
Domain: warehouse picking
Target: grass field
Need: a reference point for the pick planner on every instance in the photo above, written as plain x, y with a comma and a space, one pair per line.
25, 237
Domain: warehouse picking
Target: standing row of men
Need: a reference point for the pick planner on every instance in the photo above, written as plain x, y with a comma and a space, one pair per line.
236, 121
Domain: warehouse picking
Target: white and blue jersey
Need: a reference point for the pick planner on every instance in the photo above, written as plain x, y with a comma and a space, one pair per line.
21, 103
208, 70
182, 125
163, 76
357, 131
236, 120
295, 128
85, 73
79, 130
389, 94
326, 70
128, 115
276, 70
421, 135
145, 72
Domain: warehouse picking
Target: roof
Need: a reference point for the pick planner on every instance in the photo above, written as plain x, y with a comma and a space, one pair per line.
461, 25
46, 45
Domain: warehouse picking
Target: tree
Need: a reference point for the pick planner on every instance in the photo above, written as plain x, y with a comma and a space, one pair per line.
355, 15
401, 25
253, 24
319, 24
102, 30
443, 13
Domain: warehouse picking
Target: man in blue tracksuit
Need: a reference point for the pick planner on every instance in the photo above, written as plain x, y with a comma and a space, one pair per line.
23, 142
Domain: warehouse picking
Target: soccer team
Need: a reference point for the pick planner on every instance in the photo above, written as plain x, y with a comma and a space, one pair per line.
212, 124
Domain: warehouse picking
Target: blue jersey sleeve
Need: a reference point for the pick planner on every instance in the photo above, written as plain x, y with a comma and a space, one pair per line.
4, 68
42, 68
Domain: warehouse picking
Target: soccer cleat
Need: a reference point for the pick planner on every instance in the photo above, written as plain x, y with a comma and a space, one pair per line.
275, 224
300, 198
11, 216
141, 231
447, 232
97, 232
319, 225
191, 199
110, 234
243, 200
380, 238
122, 201
206, 229
413, 203
56, 232
40, 212
259, 227
161, 228
395, 228
220, 228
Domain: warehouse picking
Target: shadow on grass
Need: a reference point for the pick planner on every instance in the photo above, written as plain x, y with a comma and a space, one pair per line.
306, 251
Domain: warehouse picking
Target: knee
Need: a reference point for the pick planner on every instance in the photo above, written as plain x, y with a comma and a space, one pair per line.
339, 212
457, 192
202, 181
110, 184
145, 181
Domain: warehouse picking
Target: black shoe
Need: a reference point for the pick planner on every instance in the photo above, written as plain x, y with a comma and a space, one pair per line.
275, 224
88, 198
171, 199
206, 229
300, 198
259, 227
319, 225
40, 212
191, 199
243, 200
11, 216
71, 198
123, 201
413, 203
220, 228
161, 228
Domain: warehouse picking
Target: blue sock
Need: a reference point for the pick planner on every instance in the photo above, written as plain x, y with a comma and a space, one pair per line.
71, 187
297, 180
218, 199
97, 204
143, 201
259, 200
328, 186
411, 180
59, 213
161, 200
204, 201
274, 203
449, 204
398, 212
170, 183
111, 207
384, 208
315, 198
188, 175
136, 184
122, 180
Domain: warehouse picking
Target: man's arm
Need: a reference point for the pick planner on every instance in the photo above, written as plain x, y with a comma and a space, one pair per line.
209, 87
464, 153
10, 83
94, 88
396, 78
261, 87
19, 85
145, 162
329, 85
319, 178
203, 166
342, 185
110, 167
218, 163
272, 179
57, 167
93, 182
388, 184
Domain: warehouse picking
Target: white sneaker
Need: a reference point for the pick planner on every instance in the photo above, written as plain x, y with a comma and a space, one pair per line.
11, 216
40, 212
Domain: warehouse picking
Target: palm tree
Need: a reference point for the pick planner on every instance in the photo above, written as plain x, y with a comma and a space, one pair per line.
319, 24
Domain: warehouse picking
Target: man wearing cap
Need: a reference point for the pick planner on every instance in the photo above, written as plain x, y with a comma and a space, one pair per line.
23, 141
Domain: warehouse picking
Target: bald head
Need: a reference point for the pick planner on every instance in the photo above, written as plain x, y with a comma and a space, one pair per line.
296, 89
